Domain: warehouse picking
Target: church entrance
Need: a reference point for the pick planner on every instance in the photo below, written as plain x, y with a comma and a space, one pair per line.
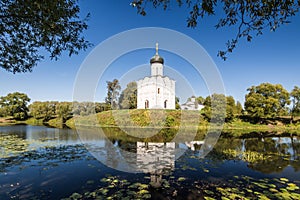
146, 104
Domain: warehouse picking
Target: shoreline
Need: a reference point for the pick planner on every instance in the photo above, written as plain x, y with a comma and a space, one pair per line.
171, 119
232, 131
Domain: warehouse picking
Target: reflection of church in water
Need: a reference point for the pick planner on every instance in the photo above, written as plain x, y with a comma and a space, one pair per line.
157, 159
154, 158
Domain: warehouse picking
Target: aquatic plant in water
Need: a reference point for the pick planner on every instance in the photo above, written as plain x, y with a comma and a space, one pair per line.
115, 188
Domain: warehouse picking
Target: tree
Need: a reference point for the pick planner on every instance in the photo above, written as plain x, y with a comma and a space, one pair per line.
27, 26
238, 108
266, 100
43, 110
230, 108
200, 100
15, 104
83, 108
224, 107
113, 91
100, 107
3, 112
63, 110
219, 101
295, 95
177, 105
128, 97
249, 18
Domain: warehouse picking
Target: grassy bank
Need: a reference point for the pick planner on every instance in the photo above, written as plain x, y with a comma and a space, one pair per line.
142, 118
6, 121
177, 119
161, 119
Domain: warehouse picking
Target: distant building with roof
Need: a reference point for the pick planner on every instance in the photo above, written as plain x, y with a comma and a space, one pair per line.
191, 104
156, 91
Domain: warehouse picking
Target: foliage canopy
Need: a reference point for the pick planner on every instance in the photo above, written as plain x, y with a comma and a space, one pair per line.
15, 105
113, 92
28, 26
43, 110
295, 95
248, 18
128, 97
267, 100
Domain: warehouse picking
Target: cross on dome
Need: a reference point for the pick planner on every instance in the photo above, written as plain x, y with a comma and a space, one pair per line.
156, 58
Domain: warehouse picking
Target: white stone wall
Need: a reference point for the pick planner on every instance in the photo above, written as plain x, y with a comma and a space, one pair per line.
156, 90
157, 69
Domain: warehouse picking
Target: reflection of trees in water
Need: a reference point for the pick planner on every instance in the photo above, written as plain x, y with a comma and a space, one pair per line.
127, 146
40, 133
281, 152
218, 155
262, 145
267, 155
113, 155
296, 148
17, 130
162, 135
270, 165
296, 165
270, 154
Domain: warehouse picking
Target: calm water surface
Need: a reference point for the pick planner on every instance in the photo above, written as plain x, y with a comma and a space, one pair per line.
38, 162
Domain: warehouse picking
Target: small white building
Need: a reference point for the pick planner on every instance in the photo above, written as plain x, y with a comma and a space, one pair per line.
156, 91
191, 104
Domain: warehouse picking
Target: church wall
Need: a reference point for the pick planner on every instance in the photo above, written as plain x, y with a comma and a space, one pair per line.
148, 90
156, 69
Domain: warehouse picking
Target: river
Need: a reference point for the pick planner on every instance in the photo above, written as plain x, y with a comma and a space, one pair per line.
38, 162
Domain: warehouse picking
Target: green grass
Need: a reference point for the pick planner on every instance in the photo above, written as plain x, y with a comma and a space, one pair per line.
34, 122
174, 119
179, 118
149, 118
56, 122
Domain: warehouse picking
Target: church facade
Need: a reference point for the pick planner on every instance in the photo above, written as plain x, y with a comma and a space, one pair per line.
156, 91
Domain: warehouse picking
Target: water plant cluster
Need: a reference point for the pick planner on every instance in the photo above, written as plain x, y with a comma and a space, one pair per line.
114, 188
238, 187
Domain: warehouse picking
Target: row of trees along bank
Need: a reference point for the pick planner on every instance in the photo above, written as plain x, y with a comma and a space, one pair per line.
16, 105
262, 102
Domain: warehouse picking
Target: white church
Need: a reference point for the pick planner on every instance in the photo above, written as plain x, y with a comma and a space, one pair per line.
156, 91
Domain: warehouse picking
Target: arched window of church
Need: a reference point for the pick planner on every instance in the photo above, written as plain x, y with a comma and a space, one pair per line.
158, 90
165, 104
146, 104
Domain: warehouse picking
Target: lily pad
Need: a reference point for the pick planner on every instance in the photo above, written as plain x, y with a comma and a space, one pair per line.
181, 179
292, 187
284, 179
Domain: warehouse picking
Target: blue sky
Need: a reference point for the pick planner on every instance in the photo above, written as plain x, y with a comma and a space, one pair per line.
273, 57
